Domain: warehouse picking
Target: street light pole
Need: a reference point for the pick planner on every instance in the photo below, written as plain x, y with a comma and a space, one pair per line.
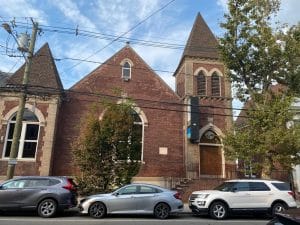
18, 126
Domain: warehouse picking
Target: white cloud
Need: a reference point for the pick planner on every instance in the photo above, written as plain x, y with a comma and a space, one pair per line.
121, 15
223, 4
146, 8
289, 12
22, 8
73, 13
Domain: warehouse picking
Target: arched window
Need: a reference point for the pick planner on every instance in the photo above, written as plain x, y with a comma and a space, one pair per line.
126, 71
132, 148
136, 140
215, 85
201, 84
29, 136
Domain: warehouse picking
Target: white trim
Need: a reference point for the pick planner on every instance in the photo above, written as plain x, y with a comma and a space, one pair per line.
206, 83
22, 138
126, 60
31, 108
220, 134
212, 127
142, 116
215, 70
206, 73
211, 83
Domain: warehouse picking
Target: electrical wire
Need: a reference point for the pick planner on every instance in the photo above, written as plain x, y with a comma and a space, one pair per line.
123, 34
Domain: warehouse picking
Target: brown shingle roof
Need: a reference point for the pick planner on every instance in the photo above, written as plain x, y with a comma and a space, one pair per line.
3, 78
202, 42
43, 71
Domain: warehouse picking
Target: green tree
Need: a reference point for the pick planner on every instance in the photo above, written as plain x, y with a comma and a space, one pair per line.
255, 54
264, 141
108, 152
257, 57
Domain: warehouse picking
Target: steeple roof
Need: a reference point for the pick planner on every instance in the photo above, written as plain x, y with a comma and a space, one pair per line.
202, 42
43, 73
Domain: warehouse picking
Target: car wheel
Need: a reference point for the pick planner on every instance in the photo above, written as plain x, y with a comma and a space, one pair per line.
47, 208
97, 210
162, 211
218, 210
278, 208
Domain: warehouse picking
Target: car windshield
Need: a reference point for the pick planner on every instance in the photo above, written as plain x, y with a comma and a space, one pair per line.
226, 186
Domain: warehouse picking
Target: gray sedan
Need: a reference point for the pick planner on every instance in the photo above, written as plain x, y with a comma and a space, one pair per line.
133, 199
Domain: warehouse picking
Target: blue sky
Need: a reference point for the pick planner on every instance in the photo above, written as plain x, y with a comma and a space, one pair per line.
172, 25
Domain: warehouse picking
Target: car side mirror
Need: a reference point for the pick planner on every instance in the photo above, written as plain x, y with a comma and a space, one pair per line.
116, 194
234, 189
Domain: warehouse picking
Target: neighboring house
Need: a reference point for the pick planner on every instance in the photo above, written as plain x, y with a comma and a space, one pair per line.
296, 172
175, 143
3, 78
39, 121
281, 175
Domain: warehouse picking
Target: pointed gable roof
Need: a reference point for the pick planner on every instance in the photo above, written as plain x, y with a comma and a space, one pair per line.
201, 42
107, 76
43, 71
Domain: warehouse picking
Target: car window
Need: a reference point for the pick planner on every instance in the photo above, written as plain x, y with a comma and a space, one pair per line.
241, 186
147, 190
14, 184
258, 186
128, 190
39, 183
54, 182
226, 186
282, 186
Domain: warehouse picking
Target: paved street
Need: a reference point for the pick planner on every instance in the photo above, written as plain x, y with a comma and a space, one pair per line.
71, 219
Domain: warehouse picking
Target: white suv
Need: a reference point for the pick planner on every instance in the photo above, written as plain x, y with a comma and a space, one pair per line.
257, 195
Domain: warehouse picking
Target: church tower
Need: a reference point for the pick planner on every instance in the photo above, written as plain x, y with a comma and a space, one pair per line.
202, 84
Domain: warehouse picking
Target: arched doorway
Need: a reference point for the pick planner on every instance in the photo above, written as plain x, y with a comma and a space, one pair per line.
210, 154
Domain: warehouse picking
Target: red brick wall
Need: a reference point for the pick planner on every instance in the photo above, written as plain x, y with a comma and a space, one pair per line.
163, 112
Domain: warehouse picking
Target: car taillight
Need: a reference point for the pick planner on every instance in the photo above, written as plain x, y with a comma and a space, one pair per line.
69, 186
178, 196
292, 193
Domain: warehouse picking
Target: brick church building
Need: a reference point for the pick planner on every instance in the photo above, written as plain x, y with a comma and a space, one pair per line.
182, 130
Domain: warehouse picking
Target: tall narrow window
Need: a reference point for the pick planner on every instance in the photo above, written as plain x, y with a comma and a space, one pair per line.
201, 84
132, 148
126, 71
215, 85
29, 136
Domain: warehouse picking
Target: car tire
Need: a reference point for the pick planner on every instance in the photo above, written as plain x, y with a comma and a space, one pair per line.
278, 207
162, 211
218, 210
47, 208
97, 210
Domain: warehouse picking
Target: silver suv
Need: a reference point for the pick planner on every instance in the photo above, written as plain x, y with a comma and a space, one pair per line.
46, 195
268, 196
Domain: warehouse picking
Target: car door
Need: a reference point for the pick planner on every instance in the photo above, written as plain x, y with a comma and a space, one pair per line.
123, 200
146, 198
240, 196
11, 194
33, 191
260, 193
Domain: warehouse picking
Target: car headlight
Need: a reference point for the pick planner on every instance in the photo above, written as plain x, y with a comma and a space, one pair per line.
203, 196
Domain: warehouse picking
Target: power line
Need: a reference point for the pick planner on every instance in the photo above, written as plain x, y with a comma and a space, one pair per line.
141, 101
93, 94
131, 29
142, 42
